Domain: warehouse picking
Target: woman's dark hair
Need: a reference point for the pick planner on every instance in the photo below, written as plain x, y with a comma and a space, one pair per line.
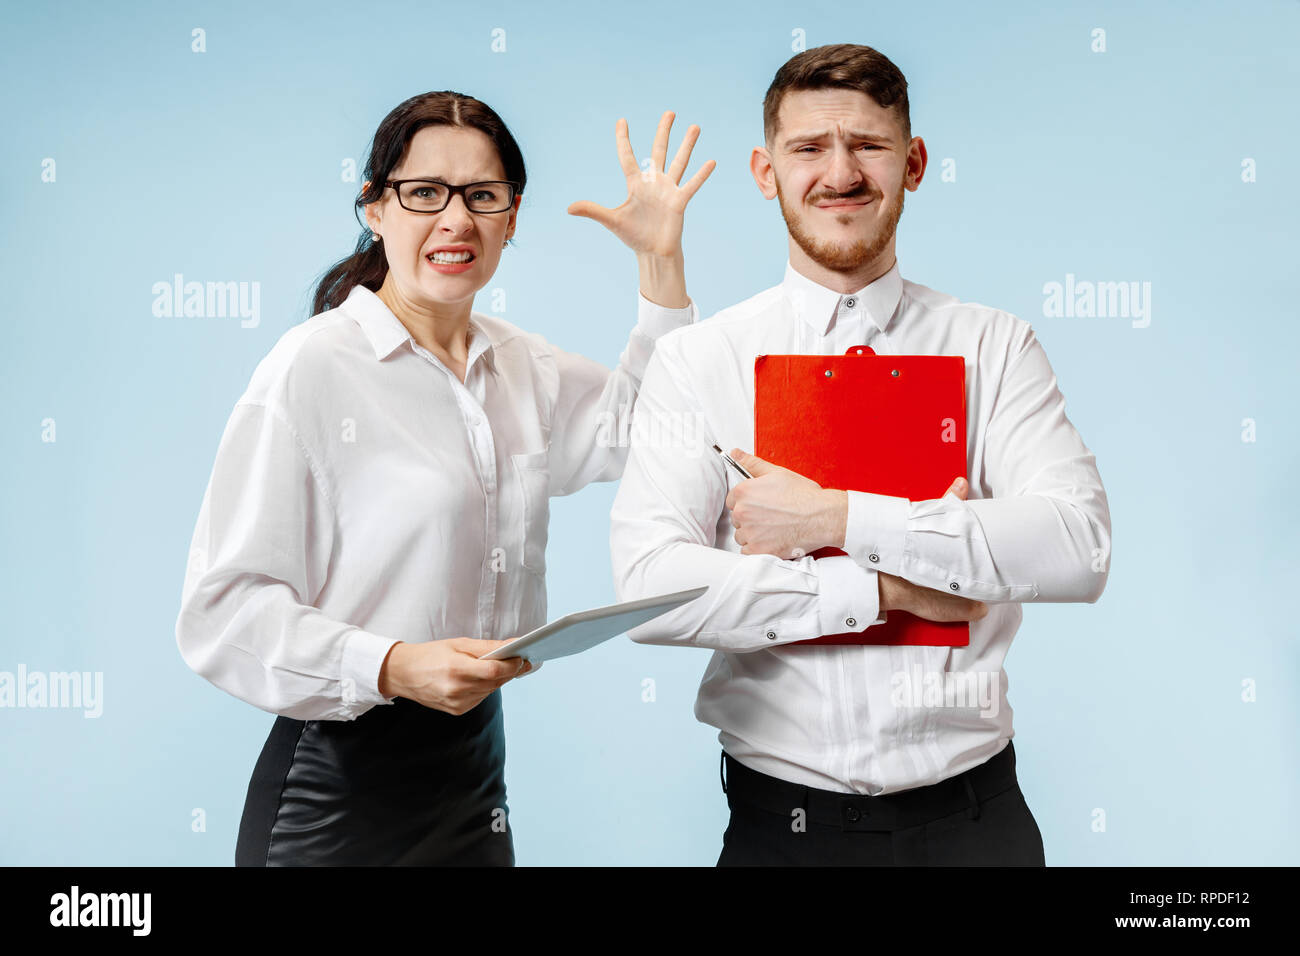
367, 265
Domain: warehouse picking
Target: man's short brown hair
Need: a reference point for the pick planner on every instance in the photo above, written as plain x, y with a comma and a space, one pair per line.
846, 66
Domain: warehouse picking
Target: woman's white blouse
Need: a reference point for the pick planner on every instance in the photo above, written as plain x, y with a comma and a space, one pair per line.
363, 495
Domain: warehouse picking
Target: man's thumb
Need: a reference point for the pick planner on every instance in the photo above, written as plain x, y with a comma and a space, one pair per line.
751, 463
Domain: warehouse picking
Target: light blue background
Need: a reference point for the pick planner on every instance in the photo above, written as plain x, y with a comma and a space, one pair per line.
225, 165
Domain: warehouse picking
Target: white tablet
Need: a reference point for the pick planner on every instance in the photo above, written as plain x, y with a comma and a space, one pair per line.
583, 630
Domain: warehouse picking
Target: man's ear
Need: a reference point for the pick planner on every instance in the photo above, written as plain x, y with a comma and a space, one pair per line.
916, 161
760, 166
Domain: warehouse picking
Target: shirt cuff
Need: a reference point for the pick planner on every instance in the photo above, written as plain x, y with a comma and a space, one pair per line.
876, 530
850, 595
363, 656
655, 320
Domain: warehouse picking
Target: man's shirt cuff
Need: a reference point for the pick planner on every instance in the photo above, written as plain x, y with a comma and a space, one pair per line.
850, 595
876, 530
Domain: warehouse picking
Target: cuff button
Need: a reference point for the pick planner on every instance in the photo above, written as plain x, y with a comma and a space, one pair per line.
771, 635
955, 586
851, 621
873, 557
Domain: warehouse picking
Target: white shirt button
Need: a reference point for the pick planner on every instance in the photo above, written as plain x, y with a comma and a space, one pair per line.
850, 302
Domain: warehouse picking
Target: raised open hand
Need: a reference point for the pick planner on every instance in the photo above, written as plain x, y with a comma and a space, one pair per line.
650, 220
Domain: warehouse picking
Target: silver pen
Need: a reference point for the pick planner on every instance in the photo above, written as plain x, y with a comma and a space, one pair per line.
732, 462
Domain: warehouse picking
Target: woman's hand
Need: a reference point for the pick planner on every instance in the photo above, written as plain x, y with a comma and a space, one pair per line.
447, 674
650, 220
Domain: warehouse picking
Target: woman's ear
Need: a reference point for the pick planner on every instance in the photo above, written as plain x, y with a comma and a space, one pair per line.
372, 216
512, 223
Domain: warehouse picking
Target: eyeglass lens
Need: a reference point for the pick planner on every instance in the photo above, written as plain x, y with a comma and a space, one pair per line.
480, 197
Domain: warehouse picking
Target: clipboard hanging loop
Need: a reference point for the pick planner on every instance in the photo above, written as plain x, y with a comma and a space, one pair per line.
863, 350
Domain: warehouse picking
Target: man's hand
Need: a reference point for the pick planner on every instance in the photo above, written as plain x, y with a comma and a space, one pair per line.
900, 594
781, 512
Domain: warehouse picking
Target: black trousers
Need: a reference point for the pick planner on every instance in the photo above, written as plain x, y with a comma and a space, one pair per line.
401, 785
977, 818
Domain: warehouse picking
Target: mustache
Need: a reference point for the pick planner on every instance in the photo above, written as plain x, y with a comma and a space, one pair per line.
856, 195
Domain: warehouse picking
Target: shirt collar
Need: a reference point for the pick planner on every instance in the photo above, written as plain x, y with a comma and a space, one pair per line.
818, 305
386, 333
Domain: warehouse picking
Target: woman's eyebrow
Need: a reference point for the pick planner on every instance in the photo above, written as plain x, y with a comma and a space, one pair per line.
444, 179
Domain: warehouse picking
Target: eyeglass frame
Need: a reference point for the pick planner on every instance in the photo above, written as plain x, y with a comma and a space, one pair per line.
454, 191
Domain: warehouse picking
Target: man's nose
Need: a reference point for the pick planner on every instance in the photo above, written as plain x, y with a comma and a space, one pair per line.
843, 176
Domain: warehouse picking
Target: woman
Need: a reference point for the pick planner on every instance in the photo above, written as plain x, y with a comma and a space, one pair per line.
377, 515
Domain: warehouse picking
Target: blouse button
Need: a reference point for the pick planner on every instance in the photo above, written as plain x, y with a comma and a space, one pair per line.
955, 586
851, 621
771, 635
873, 557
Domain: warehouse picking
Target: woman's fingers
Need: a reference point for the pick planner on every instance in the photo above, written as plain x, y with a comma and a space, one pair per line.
683, 156
512, 668
696, 181
659, 151
591, 210
626, 155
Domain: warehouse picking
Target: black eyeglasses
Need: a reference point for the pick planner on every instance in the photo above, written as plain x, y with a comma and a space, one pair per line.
432, 195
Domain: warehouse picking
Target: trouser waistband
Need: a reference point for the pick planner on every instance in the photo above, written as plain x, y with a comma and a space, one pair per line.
891, 811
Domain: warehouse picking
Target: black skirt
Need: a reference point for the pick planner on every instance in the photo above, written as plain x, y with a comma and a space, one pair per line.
402, 785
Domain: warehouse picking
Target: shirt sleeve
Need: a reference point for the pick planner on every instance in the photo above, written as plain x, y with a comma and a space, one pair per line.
259, 559
663, 526
593, 405
1045, 533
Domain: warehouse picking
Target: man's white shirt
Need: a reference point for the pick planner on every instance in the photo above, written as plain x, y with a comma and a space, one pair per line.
856, 718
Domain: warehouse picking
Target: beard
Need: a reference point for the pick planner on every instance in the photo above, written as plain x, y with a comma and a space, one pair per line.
842, 257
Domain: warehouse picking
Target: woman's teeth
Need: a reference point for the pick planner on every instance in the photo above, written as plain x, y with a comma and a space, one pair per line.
450, 257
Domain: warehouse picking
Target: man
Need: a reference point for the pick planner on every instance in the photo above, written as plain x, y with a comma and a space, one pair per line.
855, 754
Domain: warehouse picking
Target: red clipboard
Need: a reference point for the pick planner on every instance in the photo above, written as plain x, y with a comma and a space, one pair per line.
889, 424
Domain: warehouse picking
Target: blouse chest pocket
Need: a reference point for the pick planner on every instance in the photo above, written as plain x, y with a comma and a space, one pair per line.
533, 474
